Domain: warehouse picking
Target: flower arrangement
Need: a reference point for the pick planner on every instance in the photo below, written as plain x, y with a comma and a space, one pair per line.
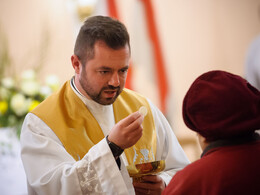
20, 95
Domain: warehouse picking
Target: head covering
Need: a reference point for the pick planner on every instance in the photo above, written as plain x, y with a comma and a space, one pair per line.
221, 105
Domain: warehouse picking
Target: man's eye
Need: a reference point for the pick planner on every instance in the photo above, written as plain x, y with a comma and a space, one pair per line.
103, 72
124, 70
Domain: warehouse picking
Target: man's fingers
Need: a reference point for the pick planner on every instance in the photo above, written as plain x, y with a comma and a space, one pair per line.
127, 131
137, 123
131, 118
154, 183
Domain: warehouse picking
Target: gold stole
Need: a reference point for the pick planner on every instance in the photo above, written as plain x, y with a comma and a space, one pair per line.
78, 130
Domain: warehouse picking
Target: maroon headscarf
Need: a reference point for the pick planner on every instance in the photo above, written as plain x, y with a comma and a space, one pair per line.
221, 105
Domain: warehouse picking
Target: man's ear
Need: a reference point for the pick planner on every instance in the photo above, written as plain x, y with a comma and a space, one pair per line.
75, 63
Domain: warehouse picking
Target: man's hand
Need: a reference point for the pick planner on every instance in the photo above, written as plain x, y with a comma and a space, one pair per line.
150, 184
127, 131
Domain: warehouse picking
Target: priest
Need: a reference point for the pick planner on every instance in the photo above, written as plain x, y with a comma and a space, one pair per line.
81, 139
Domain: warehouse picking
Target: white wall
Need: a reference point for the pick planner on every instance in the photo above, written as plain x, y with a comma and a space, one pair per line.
202, 35
39, 30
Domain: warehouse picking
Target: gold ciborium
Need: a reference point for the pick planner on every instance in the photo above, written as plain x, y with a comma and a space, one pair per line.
150, 168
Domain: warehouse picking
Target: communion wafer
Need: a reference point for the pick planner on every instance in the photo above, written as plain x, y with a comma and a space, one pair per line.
143, 110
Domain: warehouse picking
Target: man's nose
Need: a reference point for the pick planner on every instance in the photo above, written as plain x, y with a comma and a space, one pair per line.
114, 80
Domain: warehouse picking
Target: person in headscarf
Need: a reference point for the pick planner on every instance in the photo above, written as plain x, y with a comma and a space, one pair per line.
224, 110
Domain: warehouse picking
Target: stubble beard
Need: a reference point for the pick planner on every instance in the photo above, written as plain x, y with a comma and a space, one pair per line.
97, 96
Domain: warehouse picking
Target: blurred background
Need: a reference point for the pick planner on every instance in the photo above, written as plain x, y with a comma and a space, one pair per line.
173, 42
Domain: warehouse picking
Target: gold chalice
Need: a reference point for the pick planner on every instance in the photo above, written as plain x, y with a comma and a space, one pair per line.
150, 168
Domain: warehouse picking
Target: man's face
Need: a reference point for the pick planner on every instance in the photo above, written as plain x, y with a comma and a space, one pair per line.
103, 77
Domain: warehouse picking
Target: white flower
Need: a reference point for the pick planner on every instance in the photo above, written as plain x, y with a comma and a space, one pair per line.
30, 87
8, 82
45, 91
4, 93
53, 82
19, 104
28, 75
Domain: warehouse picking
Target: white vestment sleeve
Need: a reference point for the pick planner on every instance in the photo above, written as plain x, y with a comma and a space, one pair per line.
51, 170
176, 159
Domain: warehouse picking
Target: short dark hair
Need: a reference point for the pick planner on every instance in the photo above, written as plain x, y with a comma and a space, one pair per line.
100, 28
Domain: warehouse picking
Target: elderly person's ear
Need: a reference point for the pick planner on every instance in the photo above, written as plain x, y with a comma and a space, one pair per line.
202, 141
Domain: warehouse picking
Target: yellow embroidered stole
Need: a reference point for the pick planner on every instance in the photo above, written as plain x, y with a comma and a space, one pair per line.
78, 130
